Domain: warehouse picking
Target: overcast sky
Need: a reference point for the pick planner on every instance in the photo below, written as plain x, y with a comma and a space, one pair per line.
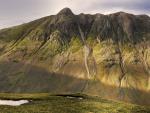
14, 12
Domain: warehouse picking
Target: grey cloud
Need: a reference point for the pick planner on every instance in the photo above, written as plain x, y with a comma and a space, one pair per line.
132, 4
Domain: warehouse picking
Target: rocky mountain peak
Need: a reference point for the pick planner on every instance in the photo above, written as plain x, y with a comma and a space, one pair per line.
66, 11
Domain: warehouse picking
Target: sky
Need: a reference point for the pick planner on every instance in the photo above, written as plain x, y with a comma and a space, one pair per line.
15, 12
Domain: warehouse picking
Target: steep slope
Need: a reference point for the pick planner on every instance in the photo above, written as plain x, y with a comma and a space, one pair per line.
105, 55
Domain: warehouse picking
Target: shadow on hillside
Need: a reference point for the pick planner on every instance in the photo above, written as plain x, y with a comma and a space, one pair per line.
23, 78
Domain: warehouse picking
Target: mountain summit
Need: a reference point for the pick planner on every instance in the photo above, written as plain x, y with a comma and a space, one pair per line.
65, 11
104, 55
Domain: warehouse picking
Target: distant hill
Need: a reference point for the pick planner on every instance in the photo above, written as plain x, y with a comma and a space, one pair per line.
104, 55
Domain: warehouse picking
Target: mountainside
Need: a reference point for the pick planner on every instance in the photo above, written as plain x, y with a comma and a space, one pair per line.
104, 55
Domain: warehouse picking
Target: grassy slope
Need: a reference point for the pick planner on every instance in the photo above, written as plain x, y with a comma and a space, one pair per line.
46, 103
37, 75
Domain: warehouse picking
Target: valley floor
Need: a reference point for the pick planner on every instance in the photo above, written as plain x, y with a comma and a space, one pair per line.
75, 103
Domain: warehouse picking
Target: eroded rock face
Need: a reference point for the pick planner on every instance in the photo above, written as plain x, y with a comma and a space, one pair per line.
48, 55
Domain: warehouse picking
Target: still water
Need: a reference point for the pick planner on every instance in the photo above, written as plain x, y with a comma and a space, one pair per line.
13, 102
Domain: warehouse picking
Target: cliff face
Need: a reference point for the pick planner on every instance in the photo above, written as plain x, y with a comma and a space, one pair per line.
105, 55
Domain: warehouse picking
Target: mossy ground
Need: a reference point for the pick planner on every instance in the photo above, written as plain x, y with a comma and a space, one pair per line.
46, 103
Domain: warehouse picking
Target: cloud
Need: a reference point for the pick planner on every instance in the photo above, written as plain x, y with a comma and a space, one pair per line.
101, 6
135, 6
14, 12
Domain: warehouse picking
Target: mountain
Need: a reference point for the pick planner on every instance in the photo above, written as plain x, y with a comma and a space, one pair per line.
104, 55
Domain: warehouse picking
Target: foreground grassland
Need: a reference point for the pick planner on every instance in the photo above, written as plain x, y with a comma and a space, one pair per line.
76, 103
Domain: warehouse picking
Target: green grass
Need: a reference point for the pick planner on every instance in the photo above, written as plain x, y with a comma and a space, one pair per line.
46, 103
75, 44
